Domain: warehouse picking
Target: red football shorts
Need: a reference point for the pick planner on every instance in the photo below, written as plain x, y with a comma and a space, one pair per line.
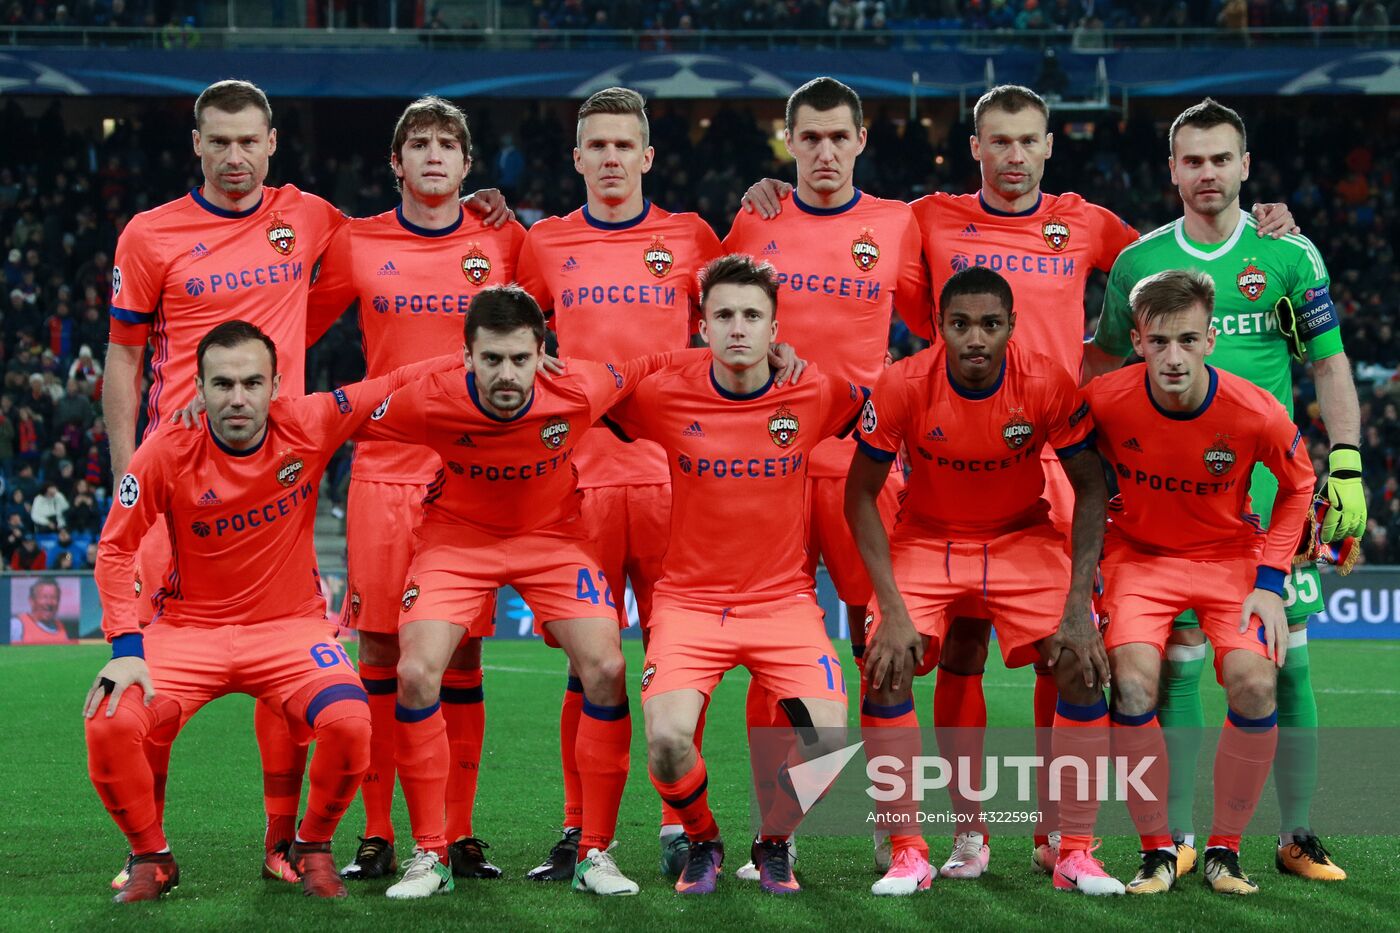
455, 574
296, 664
829, 537
379, 523
782, 642
1019, 580
1059, 493
152, 563
1142, 593
629, 527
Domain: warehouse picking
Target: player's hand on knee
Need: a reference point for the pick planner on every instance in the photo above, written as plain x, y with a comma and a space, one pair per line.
766, 196
189, 415
116, 675
1268, 607
1275, 220
490, 205
1078, 634
894, 651
785, 362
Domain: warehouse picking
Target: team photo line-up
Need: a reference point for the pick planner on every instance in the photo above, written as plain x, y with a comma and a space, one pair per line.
1107, 520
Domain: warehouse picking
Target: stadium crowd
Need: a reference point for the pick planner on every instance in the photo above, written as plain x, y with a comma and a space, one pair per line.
682, 16
60, 216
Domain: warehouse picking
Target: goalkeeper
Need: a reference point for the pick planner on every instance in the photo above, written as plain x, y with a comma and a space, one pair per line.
1272, 309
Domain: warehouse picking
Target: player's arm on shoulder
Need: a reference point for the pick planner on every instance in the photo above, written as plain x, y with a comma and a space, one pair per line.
490, 205
914, 293
1274, 220
333, 290
766, 197
1112, 341
140, 498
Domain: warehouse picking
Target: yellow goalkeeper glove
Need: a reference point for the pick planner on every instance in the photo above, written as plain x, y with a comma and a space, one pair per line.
1346, 499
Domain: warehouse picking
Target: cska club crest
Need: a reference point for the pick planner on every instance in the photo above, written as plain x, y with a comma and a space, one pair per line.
281, 235
1017, 431
1056, 233
647, 674
658, 258
355, 603
476, 265
865, 251
1219, 457
1252, 282
554, 433
783, 427
410, 595
289, 470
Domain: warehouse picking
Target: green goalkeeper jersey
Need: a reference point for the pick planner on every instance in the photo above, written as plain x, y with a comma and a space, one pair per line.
1251, 275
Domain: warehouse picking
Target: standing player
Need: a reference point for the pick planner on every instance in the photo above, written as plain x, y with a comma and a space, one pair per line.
741, 465
244, 611
1182, 437
1046, 246
850, 260
413, 271
974, 533
1272, 307
619, 276
40, 625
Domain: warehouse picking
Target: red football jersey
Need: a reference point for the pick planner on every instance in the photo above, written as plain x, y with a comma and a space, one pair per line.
738, 467
413, 286
841, 273
507, 477
974, 455
241, 522
618, 291
187, 266
1046, 253
1183, 478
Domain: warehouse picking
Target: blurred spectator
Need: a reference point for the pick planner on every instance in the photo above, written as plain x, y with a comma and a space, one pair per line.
29, 556
49, 509
82, 516
89, 561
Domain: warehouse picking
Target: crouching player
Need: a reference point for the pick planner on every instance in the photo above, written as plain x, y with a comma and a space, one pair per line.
1183, 438
974, 536
739, 469
242, 610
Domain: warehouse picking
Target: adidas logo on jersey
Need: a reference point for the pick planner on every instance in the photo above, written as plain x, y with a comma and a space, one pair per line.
210, 497
387, 269
1133, 445
771, 249
199, 251
570, 265
969, 230
936, 435
694, 430
465, 441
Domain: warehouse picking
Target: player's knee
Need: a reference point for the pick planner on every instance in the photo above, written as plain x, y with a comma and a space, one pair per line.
1250, 690
419, 681
603, 674
120, 732
1134, 693
343, 730
965, 646
669, 745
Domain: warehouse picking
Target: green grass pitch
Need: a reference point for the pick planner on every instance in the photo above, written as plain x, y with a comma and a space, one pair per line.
60, 849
